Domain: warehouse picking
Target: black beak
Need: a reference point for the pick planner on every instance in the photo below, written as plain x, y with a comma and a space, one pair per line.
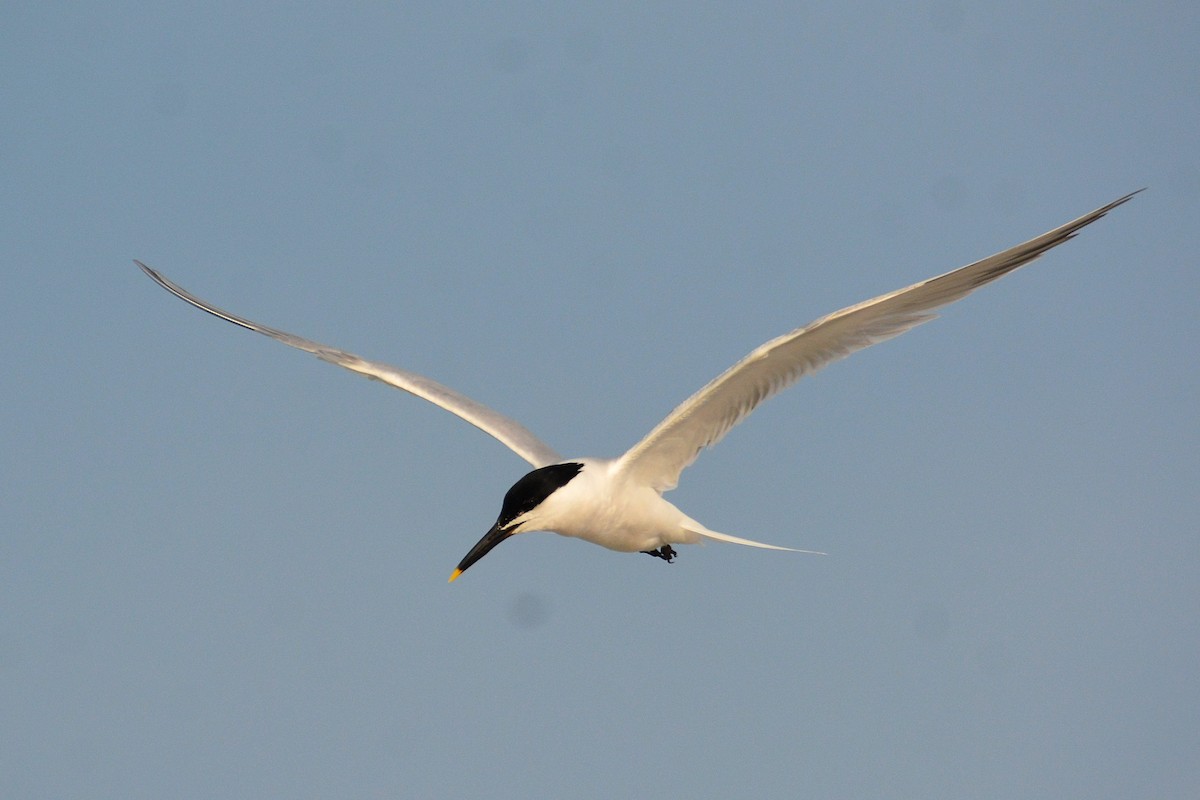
490, 539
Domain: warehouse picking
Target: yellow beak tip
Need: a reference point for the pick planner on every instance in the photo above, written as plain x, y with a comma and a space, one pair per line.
454, 575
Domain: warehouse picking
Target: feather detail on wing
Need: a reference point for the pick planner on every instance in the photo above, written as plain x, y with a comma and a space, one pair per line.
506, 430
705, 417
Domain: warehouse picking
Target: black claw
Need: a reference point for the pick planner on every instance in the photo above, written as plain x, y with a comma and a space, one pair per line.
666, 553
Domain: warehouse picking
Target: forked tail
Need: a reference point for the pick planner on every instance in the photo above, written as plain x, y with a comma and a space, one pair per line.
697, 528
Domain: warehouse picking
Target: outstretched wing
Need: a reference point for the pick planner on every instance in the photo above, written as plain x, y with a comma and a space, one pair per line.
508, 431
705, 417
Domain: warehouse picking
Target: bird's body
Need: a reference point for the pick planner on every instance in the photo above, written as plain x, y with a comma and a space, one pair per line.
602, 505
618, 503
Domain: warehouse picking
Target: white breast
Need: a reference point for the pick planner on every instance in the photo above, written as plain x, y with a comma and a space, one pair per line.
601, 506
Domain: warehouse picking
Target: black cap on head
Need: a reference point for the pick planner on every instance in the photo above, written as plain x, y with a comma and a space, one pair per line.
524, 496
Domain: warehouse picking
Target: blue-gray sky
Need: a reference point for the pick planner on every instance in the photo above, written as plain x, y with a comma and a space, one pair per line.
223, 563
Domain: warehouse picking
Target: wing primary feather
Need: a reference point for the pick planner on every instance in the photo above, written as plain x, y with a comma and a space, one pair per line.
508, 431
705, 417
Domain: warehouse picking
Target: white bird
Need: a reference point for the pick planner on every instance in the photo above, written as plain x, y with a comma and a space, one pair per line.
618, 503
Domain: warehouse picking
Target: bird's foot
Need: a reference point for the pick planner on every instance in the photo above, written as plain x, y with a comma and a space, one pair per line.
666, 553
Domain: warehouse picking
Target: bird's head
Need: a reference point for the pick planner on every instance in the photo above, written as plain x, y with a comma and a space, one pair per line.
515, 514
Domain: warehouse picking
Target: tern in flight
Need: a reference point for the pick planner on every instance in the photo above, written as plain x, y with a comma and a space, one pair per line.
618, 503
